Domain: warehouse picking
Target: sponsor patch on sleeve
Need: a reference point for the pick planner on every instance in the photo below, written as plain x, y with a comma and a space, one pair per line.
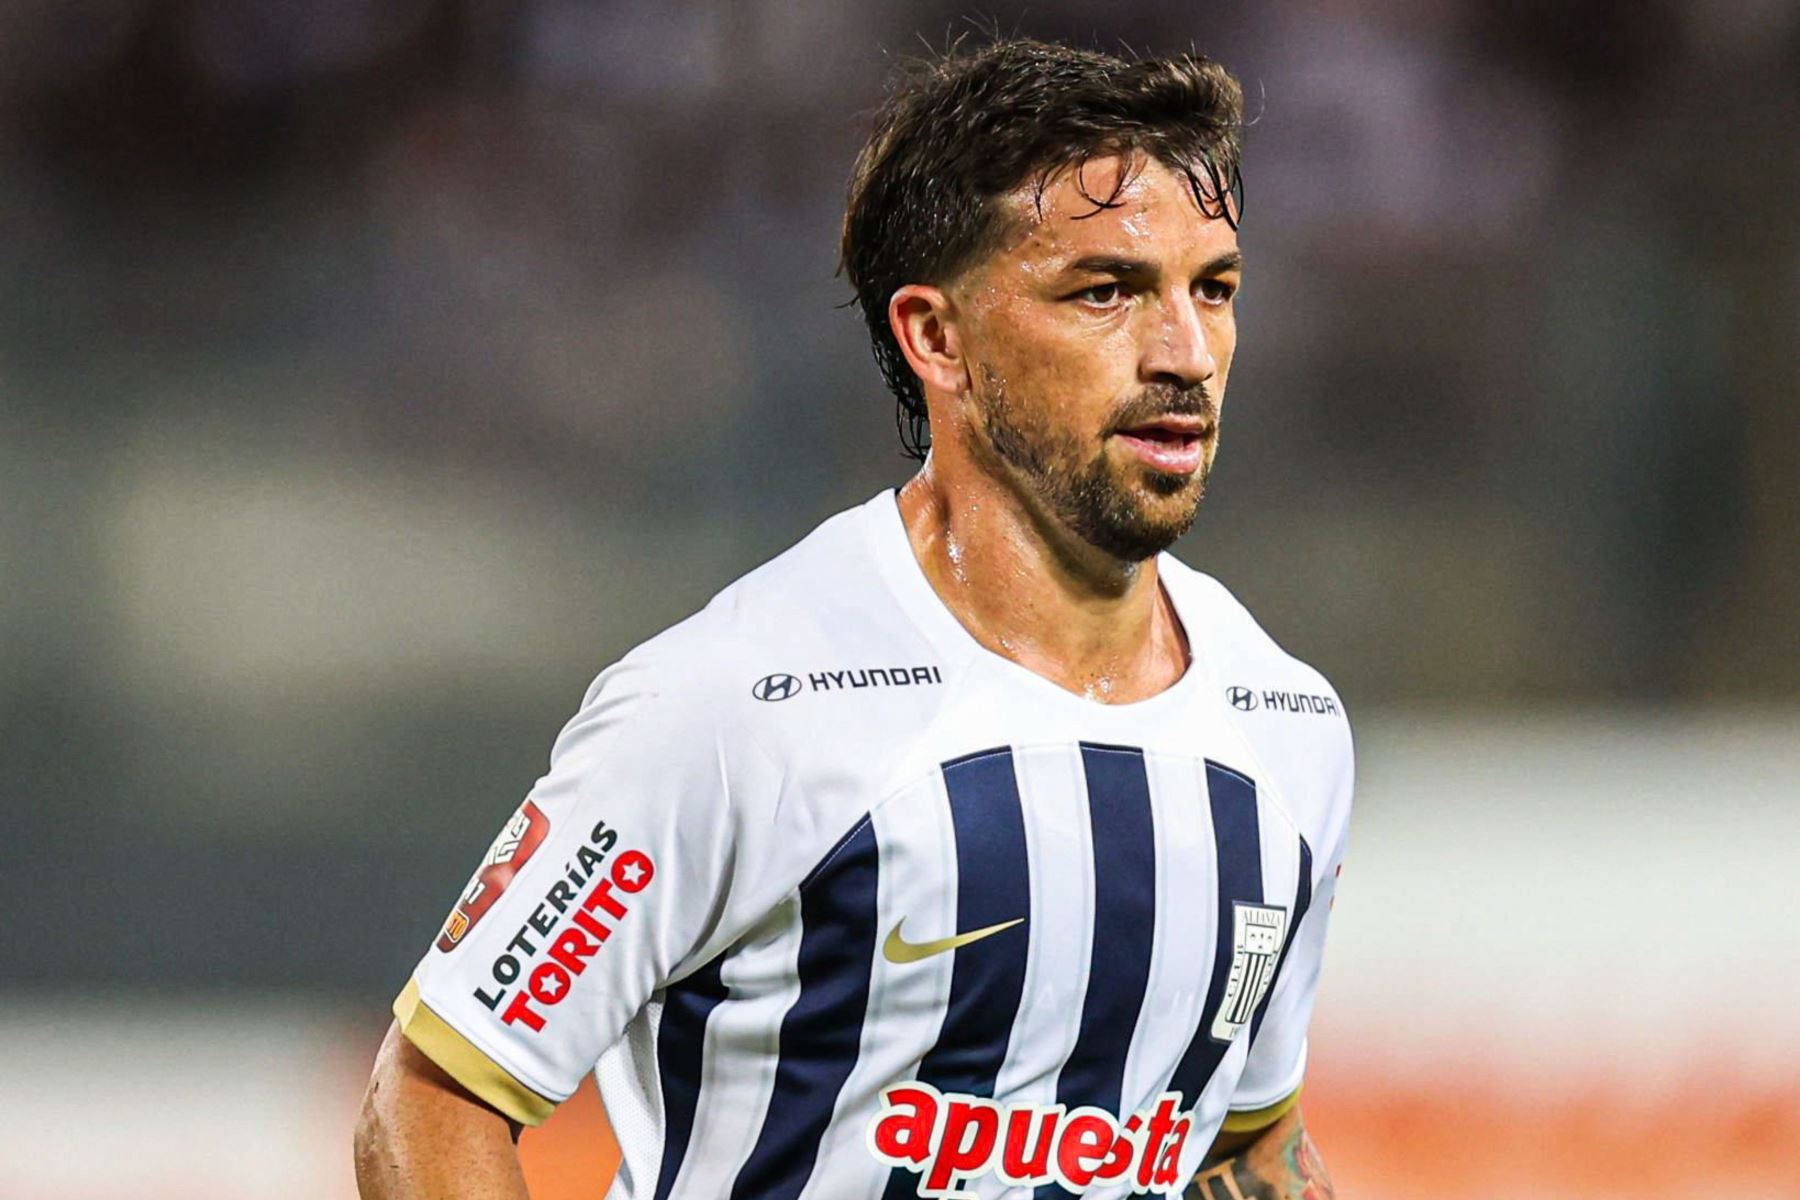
522, 835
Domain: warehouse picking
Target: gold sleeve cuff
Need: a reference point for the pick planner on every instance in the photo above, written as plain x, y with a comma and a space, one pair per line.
1259, 1118
467, 1065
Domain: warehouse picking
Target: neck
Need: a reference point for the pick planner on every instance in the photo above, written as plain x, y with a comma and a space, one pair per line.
1031, 591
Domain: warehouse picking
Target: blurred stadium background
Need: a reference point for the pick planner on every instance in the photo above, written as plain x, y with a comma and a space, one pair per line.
374, 371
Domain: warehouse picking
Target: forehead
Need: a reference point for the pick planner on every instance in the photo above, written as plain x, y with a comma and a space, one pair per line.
1151, 214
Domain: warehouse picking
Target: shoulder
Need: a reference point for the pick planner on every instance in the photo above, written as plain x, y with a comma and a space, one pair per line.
818, 604
755, 673
1236, 644
761, 719
1289, 711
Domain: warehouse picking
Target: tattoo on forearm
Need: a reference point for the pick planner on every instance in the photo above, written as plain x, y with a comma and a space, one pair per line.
1294, 1172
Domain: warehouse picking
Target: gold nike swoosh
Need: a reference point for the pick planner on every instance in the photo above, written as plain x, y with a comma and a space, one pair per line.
898, 950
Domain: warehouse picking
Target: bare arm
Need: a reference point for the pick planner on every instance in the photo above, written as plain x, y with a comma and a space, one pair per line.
422, 1135
1276, 1163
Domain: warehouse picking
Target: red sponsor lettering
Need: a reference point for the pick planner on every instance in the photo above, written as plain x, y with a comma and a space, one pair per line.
1019, 1163
572, 948
1086, 1138
951, 1140
519, 1012
1168, 1167
585, 919
601, 897
1124, 1149
1162, 1123
551, 981
971, 1127
633, 871
905, 1134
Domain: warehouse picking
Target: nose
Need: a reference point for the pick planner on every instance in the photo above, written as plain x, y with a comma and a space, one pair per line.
1176, 350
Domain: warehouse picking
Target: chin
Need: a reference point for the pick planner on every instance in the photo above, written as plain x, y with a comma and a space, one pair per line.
1163, 495
1126, 509
1139, 523
1166, 489
1170, 502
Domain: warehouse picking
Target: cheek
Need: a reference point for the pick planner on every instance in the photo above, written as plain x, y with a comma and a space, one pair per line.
1074, 368
1057, 369
1076, 386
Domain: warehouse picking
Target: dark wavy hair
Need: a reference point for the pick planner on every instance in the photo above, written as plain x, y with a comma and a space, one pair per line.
959, 130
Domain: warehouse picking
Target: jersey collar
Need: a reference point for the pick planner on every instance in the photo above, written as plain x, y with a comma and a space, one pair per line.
900, 569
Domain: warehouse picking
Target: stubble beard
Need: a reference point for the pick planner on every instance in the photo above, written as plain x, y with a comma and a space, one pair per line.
1092, 497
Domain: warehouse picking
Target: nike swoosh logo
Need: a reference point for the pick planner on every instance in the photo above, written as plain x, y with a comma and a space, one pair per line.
898, 950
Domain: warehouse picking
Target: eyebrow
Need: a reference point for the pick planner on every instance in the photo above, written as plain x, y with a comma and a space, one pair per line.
1137, 268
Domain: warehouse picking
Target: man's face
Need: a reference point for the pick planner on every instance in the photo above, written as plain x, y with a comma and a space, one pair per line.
1097, 343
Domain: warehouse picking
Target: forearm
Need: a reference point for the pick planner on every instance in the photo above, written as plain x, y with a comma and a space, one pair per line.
1279, 1163
421, 1136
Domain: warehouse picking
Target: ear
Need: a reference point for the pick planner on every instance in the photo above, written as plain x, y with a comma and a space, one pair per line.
924, 323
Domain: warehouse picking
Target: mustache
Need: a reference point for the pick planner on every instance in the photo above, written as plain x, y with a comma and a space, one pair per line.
1164, 400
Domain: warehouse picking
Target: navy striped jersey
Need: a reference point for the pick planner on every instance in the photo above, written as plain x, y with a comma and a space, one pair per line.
840, 904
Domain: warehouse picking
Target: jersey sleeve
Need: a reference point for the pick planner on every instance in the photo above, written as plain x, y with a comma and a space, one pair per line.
1270, 1083
609, 875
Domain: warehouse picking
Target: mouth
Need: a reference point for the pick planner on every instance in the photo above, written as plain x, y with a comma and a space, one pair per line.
1174, 444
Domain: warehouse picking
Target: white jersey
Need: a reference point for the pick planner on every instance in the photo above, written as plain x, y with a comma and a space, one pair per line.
841, 904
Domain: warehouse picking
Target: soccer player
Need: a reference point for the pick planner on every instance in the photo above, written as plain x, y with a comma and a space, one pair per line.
975, 846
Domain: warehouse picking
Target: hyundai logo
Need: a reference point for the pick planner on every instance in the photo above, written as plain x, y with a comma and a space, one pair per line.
1241, 698
776, 687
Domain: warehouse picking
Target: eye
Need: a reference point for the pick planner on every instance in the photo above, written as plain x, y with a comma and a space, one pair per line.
1216, 291
1102, 295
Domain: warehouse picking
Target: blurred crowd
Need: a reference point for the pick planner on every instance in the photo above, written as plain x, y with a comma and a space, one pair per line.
374, 371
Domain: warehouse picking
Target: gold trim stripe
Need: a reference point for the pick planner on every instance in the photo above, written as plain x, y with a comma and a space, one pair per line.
464, 1062
1259, 1118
